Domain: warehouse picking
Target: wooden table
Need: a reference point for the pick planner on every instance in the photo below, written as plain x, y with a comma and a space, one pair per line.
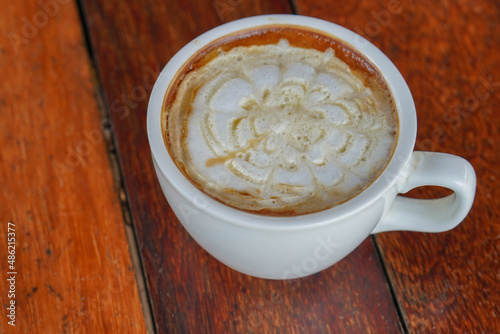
97, 248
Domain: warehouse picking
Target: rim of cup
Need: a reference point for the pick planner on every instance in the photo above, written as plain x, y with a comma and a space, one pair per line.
400, 92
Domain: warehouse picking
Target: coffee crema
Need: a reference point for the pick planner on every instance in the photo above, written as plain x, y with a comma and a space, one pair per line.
280, 120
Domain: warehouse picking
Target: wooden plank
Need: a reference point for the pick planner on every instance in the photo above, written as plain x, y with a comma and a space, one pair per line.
191, 291
72, 261
448, 53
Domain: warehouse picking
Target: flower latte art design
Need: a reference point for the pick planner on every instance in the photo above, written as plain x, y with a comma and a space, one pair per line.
280, 129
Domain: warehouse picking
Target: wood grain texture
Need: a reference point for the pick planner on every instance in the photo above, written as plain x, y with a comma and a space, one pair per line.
448, 53
74, 273
190, 291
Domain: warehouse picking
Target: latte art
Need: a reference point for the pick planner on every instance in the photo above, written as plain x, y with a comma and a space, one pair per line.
280, 129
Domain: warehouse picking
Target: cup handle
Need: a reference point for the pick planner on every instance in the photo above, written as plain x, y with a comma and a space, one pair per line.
432, 215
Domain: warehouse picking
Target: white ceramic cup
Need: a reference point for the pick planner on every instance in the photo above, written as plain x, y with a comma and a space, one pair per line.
291, 247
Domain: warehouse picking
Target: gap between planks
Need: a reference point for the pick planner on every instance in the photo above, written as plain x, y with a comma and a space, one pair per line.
395, 300
118, 180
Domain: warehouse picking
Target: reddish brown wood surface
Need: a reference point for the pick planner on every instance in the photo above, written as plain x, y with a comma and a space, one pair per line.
74, 272
448, 51
190, 291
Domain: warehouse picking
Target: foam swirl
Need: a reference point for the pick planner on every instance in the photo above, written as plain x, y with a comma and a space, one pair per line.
277, 128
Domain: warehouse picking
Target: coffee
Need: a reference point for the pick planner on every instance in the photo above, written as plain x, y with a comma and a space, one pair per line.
280, 120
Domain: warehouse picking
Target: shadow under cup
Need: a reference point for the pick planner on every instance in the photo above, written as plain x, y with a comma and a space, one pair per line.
290, 247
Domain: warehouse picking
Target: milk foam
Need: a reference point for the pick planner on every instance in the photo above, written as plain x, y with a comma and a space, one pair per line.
281, 129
